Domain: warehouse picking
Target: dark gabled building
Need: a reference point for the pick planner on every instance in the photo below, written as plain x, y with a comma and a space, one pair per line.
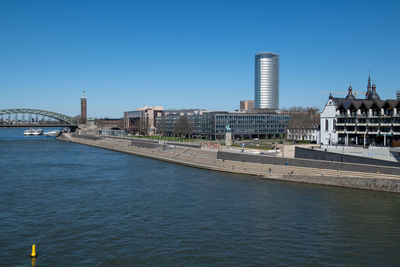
369, 121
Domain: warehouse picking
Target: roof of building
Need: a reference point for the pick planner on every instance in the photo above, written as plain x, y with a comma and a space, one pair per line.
350, 93
268, 54
371, 99
374, 94
367, 103
306, 124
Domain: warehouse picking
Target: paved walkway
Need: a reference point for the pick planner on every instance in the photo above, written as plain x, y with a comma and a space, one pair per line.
208, 160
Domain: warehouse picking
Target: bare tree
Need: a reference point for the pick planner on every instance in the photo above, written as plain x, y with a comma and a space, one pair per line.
183, 127
99, 123
301, 113
300, 109
161, 126
121, 124
143, 126
139, 125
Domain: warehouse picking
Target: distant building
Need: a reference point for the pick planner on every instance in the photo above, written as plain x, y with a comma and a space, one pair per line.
304, 130
398, 94
83, 108
183, 112
142, 120
362, 122
328, 135
212, 124
110, 124
247, 105
266, 81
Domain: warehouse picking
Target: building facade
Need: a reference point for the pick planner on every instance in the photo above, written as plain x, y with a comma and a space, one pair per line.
304, 130
143, 120
212, 125
110, 124
247, 105
328, 135
267, 81
361, 122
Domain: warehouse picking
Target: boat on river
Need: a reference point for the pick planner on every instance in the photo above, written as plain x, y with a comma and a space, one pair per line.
52, 133
28, 132
37, 131
34, 132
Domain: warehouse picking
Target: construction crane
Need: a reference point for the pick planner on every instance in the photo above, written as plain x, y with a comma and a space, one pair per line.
356, 92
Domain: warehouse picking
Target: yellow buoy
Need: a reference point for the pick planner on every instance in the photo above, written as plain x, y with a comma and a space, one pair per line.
33, 254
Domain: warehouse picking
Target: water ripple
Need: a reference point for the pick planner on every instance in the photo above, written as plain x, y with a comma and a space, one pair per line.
84, 206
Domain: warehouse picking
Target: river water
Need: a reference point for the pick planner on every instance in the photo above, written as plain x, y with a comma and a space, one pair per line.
84, 206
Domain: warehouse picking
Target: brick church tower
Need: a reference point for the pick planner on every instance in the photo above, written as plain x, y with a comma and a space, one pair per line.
83, 108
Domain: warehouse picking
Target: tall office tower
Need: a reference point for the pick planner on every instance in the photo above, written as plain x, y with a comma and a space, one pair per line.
83, 108
267, 80
398, 94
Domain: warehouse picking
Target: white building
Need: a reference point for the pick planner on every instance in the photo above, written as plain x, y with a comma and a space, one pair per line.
266, 81
304, 130
328, 135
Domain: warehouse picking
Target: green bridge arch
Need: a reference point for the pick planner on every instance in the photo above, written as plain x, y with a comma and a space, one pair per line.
58, 116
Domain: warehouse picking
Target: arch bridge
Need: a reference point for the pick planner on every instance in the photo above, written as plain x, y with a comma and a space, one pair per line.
24, 117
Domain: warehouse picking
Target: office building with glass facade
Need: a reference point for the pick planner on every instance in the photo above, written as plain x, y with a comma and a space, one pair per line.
212, 125
266, 81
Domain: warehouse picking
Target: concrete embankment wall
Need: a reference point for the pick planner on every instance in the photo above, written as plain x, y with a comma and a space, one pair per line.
331, 156
309, 163
145, 148
385, 185
141, 141
271, 170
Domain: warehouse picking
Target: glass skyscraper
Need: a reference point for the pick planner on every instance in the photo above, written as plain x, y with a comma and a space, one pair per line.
267, 80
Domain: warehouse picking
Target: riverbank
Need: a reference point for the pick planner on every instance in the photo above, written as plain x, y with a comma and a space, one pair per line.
207, 159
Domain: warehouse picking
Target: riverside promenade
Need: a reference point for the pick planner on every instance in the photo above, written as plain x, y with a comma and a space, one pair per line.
207, 159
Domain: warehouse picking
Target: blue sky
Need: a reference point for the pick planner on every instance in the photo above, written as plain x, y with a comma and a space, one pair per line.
190, 54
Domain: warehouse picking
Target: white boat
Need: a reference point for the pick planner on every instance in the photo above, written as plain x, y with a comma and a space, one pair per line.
52, 133
37, 132
28, 132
